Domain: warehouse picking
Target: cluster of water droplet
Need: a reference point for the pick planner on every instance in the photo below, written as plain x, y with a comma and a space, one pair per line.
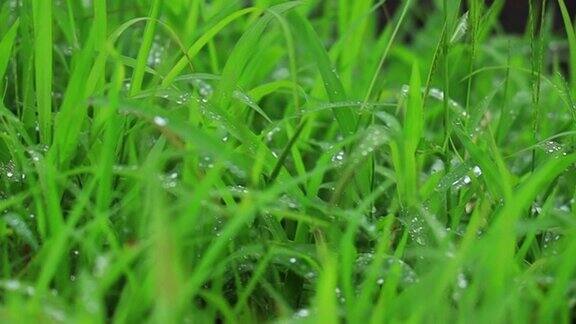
160, 121
13, 5
338, 158
407, 275
375, 137
416, 230
553, 148
289, 202
550, 241
466, 180
170, 180
205, 89
460, 176
156, 52
11, 173
460, 286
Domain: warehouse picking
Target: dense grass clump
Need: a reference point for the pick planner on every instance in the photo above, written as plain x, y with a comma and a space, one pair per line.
294, 161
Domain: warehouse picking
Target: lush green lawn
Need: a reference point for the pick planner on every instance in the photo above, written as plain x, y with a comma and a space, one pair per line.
247, 161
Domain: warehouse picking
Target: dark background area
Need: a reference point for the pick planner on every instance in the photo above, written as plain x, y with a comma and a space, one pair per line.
514, 15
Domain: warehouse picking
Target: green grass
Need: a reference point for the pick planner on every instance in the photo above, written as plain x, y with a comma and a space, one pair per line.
201, 161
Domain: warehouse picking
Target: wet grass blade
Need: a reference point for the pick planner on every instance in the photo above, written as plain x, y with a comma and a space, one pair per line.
6, 45
42, 13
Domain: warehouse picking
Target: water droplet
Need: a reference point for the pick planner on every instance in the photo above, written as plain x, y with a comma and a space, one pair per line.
477, 171
281, 73
271, 133
416, 230
302, 313
436, 94
338, 158
461, 28
536, 209
12, 284
461, 281
375, 137
461, 182
553, 148
205, 90
101, 265
160, 121
169, 180
310, 275
437, 166
404, 90
156, 53
183, 98
206, 162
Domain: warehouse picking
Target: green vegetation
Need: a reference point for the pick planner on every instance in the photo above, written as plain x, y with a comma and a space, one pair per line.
316, 161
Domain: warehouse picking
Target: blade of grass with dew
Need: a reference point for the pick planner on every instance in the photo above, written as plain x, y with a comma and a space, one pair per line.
42, 17
72, 113
404, 149
144, 52
325, 299
6, 44
241, 53
334, 88
201, 42
571, 35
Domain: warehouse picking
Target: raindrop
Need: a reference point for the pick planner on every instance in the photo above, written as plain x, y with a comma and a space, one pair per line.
183, 98
465, 180
553, 148
271, 133
206, 162
170, 180
536, 209
404, 90
477, 171
155, 55
310, 275
461, 28
461, 281
160, 121
437, 166
375, 137
338, 158
436, 94
281, 73
302, 313
102, 263
205, 90
416, 230
12, 284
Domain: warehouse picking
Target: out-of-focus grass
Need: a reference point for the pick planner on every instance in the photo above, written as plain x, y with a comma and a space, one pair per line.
313, 161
